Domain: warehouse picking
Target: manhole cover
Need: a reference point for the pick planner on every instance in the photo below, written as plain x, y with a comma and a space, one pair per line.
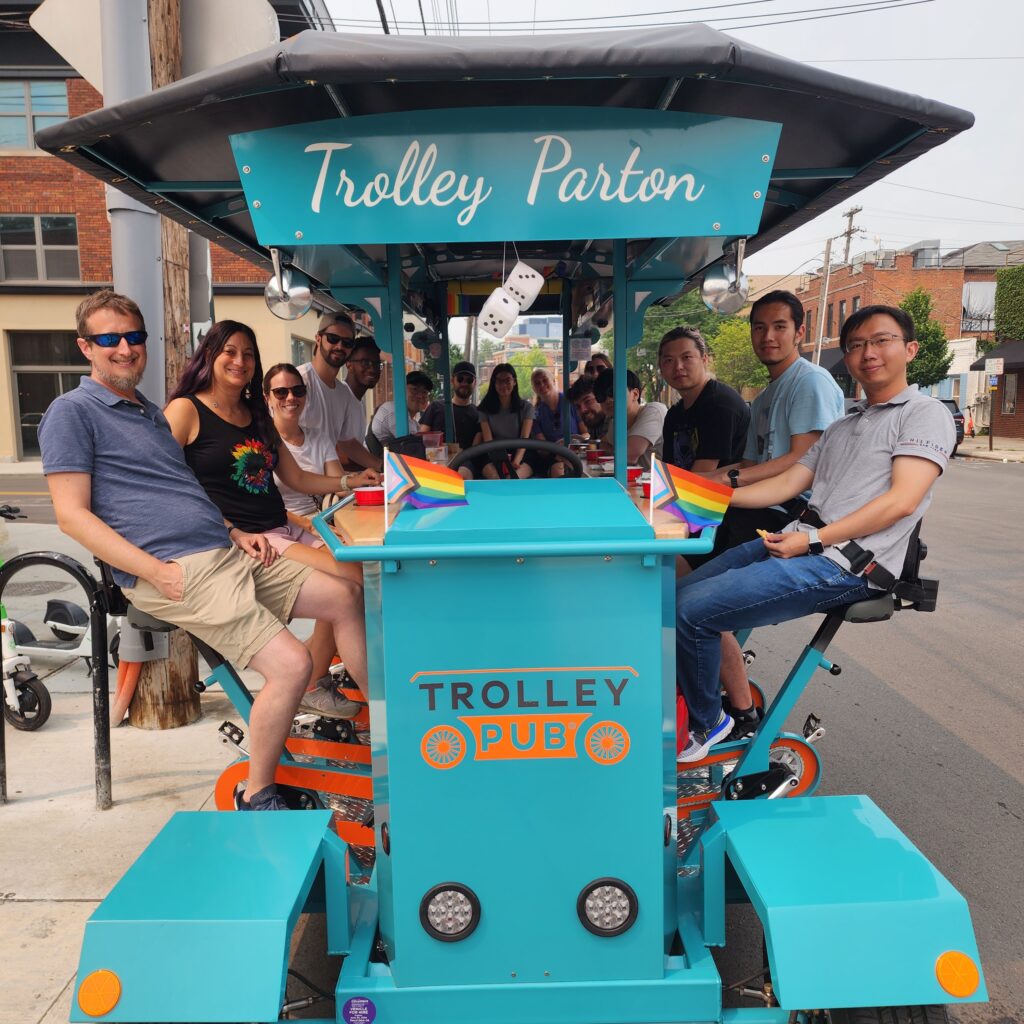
35, 588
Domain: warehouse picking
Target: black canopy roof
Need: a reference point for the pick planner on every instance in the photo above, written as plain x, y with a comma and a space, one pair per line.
1011, 352
170, 148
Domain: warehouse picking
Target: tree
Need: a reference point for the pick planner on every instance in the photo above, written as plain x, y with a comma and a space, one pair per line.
735, 362
432, 367
933, 356
525, 362
1010, 303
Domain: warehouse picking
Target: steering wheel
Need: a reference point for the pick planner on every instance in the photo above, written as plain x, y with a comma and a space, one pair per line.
531, 443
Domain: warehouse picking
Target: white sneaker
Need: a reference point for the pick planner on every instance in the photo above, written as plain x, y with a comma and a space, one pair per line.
701, 742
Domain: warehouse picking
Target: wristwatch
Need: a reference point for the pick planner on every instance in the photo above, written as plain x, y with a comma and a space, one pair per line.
814, 546
734, 478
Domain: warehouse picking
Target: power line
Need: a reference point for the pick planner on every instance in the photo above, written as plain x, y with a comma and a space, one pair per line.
950, 195
560, 24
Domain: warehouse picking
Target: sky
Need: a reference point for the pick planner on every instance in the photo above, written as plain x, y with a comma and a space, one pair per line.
970, 55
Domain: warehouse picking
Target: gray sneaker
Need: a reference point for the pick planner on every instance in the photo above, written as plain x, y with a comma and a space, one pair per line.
329, 702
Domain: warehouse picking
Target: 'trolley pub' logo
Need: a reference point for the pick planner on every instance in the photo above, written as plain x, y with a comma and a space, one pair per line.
541, 713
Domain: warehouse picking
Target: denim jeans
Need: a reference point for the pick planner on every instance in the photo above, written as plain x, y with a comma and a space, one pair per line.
742, 588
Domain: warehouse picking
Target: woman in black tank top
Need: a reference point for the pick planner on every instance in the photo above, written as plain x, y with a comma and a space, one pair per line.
218, 414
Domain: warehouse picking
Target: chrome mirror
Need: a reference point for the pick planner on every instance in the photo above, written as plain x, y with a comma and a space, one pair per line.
288, 293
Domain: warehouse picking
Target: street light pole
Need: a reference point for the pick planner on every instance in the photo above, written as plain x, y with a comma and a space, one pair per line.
822, 300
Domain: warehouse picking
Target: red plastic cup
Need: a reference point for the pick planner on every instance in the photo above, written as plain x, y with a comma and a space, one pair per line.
633, 474
369, 496
593, 454
646, 485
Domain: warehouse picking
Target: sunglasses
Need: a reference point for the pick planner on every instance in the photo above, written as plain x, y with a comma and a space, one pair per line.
113, 340
339, 339
464, 378
298, 390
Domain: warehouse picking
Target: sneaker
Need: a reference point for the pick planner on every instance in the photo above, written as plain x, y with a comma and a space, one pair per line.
267, 799
746, 722
701, 742
328, 702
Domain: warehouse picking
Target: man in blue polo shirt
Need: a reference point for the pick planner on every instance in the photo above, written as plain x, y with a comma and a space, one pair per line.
121, 488
870, 478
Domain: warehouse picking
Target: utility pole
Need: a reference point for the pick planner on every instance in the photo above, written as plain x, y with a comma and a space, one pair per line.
822, 300
850, 229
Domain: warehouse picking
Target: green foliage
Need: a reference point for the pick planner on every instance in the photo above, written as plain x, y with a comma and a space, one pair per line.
1010, 303
735, 362
689, 311
432, 367
933, 359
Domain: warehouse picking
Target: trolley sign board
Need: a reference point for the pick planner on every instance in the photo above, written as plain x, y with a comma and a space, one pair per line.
994, 366
498, 173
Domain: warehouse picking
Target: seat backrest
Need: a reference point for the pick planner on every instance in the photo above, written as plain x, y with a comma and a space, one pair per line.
910, 589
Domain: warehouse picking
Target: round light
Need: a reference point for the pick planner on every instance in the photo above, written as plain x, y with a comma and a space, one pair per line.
607, 907
450, 912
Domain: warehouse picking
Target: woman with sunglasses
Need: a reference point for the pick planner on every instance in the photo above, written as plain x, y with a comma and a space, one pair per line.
231, 444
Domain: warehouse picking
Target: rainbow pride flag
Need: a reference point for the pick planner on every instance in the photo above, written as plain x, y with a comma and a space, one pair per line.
687, 496
420, 483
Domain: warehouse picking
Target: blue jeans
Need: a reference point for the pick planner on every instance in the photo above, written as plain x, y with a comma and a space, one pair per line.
740, 589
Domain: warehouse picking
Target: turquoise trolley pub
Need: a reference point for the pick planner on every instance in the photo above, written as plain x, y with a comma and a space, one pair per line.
536, 855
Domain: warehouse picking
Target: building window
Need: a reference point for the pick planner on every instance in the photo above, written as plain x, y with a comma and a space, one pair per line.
38, 248
842, 313
809, 323
1010, 394
26, 107
828, 321
45, 365
302, 351
856, 303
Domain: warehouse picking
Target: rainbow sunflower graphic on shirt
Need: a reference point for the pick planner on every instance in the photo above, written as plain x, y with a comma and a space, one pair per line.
254, 466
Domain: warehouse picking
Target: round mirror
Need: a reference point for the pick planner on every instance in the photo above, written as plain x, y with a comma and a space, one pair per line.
293, 299
722, 292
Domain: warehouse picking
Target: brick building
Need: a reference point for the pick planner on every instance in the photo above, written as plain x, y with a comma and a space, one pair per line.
962, 286
55, 236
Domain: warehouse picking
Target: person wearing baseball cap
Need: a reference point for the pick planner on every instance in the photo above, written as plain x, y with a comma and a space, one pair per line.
467, 418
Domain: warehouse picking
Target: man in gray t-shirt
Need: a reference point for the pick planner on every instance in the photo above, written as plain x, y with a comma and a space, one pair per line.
864, 473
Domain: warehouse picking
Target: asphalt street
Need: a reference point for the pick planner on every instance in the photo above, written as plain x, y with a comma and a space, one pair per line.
926, 718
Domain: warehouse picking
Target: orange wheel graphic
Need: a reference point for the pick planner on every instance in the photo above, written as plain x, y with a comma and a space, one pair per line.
443, 747
607, 742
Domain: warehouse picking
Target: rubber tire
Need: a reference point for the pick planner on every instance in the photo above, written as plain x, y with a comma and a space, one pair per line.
953, 452
892, 1015
43, 705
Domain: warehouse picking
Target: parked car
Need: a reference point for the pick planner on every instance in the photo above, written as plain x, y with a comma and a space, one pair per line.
958, 419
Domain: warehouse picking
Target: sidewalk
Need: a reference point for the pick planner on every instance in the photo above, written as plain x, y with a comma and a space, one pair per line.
1004, 449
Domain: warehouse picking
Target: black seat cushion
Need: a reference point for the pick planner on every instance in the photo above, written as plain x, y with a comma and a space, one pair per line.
140, 620
872, 609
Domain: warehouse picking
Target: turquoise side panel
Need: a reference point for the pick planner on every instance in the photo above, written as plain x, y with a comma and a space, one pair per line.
212, 899
853, 914
500, 172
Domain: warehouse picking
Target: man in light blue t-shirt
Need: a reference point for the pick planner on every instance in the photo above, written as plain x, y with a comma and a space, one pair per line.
786, 420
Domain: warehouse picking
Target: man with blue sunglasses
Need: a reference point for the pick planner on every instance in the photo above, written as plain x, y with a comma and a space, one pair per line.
121, 488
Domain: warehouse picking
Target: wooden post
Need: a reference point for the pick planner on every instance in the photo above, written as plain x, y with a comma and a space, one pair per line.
165, 697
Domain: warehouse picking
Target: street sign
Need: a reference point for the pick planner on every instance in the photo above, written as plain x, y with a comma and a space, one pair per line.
993, 381
993, 366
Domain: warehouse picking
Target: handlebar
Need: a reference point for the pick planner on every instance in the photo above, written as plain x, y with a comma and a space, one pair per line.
10, 513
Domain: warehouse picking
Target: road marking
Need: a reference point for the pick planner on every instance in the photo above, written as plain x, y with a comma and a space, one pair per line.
27, 494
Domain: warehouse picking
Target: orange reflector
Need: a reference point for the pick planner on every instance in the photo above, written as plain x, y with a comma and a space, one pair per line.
99, 993
957, 974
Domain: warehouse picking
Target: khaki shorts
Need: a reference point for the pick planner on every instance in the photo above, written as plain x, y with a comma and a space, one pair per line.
229, 601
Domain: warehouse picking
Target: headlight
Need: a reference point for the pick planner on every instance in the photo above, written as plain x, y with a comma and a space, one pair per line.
607, 907
450, 912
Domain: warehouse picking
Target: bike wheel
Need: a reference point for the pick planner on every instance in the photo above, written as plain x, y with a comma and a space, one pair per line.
34, 703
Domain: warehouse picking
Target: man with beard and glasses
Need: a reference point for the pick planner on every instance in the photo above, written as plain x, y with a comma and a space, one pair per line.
331, 406
464, 412
121, 487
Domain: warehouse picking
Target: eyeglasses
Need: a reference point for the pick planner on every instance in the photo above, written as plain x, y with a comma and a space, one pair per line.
114, 339
374, 364
464, 378
880, 342
298, 390
339, 339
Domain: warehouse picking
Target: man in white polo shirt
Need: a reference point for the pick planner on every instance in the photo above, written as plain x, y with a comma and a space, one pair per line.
870, 476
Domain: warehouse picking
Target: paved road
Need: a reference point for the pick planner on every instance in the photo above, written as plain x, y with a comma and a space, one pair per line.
927, 718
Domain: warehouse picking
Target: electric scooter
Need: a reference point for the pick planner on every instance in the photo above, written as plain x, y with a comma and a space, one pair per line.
26, 699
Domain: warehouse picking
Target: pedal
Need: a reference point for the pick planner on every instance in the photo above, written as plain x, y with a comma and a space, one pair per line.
748, 657
813, 730
232, 734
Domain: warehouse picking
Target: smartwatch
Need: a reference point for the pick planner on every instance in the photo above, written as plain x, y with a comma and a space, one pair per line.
734, 478
814, 546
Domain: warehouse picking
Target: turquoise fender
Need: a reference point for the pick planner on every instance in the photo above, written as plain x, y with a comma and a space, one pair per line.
853, 914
